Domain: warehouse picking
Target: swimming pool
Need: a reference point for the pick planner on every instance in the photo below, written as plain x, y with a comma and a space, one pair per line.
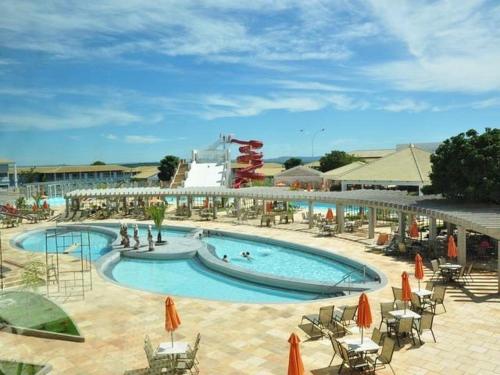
193, 278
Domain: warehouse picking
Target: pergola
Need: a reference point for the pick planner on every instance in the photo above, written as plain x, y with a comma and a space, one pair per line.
479, 218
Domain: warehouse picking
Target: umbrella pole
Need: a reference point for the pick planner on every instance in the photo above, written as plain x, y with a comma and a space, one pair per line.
418, 284
361, 335
172, 338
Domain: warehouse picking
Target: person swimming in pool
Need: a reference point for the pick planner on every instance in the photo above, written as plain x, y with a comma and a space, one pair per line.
225, 258
246, 254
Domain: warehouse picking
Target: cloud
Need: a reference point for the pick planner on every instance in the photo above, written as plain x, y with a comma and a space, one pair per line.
216, 30
217, 106
76, 117
487, 103
405, 105
110, 137
450, 46
142, 139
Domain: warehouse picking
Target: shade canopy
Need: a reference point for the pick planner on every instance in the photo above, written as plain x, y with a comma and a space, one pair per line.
405, 285
414, 229
364, 318
329, 215
452, 247
419, 267
172, 321
295, 365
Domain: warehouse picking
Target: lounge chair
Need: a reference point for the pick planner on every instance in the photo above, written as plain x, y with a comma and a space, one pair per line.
157, 365
188, 361
437, 297
387, 318
425, 323
397, 293
343, 318
354, 363
376, 336
385, 356
404, 326
323, 320
468, 273
435, 269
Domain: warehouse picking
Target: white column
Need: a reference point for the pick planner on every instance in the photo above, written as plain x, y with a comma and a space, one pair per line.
237, 206
372, 221
339, 208
432, 228
344, 186
498, 263
67, 206
214, 208
15, 176
462, 246
311, 213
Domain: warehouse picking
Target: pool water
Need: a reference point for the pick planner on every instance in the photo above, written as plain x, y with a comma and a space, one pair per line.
318, 207
100, 243
282, 261
191, 279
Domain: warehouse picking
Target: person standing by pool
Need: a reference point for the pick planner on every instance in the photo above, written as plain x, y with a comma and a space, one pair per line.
225, 258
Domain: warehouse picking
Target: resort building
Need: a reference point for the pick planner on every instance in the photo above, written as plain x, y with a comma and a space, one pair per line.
301, 176
407, 169
269, 170
146, 175
371, 155
7, 179
333, 176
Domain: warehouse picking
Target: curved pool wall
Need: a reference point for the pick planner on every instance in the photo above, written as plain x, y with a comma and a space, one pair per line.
208, 258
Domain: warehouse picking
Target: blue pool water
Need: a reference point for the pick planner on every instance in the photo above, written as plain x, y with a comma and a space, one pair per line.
100, 243
318, 207
281, 261
191, 279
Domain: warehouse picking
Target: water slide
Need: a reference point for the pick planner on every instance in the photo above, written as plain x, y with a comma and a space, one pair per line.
204, 174
252, 158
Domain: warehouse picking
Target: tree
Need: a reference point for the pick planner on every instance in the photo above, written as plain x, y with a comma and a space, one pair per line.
467, 166
292, 162
28, 176
167, 168
335, 159
157, 213
98, 162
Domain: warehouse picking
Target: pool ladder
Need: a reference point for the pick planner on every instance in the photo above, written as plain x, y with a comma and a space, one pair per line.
349, 277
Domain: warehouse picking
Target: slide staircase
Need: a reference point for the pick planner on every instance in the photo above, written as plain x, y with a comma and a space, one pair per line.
252, 158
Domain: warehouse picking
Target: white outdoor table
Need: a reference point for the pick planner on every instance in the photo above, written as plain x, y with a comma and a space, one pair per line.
450, 266
167, 348
422, 293
354, 344
398, 314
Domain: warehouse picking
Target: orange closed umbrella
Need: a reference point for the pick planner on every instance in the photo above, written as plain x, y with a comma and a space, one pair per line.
45, 205
452, 247
205, 204
406, 288
329, 215
364, 318
419, 269
172, 321
414, 229
295, 365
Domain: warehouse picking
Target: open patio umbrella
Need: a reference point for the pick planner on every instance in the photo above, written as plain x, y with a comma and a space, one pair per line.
405, 281
295, 365
364, 318
419, 269
329, 215
414, 229
452, 247
172, 320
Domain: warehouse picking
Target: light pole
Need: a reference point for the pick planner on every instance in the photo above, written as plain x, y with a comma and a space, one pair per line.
313, 138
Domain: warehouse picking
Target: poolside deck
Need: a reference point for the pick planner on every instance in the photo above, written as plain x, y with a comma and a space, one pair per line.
252, 339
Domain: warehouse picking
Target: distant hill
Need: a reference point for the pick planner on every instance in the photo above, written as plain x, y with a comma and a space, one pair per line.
282, 159
146, 163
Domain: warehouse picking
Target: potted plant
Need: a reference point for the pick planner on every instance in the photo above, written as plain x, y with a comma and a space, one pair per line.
157, 213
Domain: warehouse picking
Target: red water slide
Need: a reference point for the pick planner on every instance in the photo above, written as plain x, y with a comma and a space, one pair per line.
252, 158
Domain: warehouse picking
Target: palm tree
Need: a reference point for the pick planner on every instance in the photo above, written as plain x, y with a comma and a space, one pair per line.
157, 213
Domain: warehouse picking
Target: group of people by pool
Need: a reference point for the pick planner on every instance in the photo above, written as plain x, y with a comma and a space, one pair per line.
244, 254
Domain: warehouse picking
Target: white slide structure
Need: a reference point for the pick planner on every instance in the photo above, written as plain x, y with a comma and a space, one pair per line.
205, 174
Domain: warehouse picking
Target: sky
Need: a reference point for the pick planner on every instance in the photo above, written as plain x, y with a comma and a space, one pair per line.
134, 80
